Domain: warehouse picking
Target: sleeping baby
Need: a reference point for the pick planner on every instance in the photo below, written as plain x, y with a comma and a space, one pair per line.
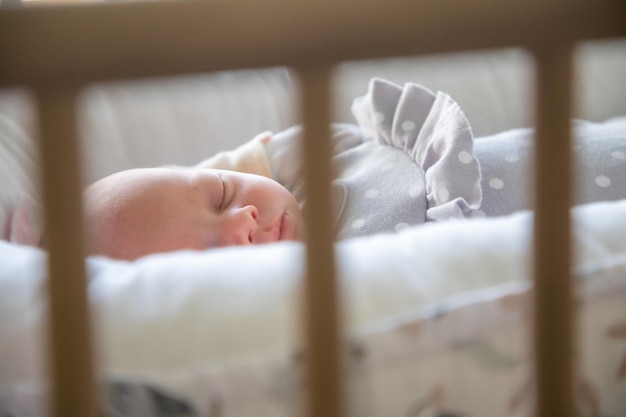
411, 158
137, 212
255, 194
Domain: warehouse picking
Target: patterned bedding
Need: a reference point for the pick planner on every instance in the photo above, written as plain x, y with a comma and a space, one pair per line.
463, 356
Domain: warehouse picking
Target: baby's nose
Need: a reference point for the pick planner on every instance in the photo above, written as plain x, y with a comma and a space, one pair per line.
244, 226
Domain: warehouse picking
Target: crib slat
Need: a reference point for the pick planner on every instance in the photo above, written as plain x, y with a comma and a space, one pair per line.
322, 318
553, 286
69, 333
78, 43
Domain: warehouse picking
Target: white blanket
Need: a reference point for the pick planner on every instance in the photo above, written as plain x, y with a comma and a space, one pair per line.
168, 311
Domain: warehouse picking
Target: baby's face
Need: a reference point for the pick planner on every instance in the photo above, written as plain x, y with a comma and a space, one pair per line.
143, 211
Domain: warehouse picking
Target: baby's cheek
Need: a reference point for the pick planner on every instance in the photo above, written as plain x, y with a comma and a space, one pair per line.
192, 237
161, 238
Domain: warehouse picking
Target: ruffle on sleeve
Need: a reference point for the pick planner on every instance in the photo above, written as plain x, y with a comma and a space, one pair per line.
434, 132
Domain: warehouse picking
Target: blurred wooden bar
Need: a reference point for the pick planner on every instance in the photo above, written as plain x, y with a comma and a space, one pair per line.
70, 360
553, 286
105, 41
322, 308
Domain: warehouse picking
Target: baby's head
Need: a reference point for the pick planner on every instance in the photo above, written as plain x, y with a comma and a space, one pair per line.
150, 210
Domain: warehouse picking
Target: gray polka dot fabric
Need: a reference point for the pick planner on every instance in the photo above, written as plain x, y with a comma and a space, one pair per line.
412, 158
409, 160
598, 157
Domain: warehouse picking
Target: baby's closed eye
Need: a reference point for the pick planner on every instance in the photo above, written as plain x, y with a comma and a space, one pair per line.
222, 200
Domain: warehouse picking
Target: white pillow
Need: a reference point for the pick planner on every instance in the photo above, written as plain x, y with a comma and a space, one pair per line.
181, 120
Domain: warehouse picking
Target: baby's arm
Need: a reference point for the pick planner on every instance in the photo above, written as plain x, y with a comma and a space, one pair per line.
250, 158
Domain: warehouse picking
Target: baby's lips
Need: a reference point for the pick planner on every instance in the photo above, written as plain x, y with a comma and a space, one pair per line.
287, 228
275, 233
281, 228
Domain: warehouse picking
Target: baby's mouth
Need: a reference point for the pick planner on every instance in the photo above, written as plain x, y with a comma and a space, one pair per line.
283, 228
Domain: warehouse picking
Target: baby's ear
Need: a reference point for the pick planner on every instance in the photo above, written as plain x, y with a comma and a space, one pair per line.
263, 137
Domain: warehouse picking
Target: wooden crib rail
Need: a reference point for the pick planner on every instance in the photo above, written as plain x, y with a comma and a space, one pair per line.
322, 301
143, 39
69, 334
55, 50
553, 289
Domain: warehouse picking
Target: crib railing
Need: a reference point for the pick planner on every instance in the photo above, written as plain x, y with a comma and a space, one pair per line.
57, 50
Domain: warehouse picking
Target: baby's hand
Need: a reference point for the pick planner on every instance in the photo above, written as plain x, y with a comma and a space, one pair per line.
250, 157
263, 137
19, 224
